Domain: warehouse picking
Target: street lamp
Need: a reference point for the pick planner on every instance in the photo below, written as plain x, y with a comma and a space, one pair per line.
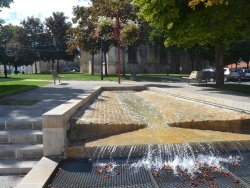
118, 46
101, 58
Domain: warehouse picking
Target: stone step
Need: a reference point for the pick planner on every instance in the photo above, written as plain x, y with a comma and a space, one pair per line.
10, 166
21, 136
23, 124
21, 151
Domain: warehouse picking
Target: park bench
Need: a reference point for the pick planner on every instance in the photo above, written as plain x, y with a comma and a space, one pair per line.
55, 76
196, 77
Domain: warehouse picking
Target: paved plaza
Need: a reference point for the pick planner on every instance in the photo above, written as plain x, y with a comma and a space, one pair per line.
52, 95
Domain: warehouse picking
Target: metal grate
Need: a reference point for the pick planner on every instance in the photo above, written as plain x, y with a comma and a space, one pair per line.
73, 173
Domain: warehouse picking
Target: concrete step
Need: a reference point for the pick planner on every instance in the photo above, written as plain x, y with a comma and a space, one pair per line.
9, 167
21, 136
23, 124
21, 151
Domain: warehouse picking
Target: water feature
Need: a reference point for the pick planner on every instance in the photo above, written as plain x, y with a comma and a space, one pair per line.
186, 164
164, 165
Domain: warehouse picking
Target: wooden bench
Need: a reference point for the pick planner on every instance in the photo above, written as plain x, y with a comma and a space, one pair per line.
55, 76
196, 77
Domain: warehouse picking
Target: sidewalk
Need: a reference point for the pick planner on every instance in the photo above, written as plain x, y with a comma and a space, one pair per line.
54, 95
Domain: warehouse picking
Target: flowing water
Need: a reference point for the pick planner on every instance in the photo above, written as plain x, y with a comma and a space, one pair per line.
188, 158
210, 164
186, 165
141, 110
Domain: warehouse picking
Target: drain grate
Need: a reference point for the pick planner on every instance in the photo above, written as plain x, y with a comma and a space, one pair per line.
82, 173
78, 173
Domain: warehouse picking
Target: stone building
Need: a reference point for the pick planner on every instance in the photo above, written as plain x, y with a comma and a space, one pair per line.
143, 59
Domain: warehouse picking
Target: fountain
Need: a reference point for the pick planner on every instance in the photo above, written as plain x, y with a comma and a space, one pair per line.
128, 138
186, 164
171, 165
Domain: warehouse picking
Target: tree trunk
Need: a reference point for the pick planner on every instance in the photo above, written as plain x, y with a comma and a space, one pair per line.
5, 62
219, 64
92, 63
123, 62
15, 65
57, 66
52, 64
35, 68
5, 70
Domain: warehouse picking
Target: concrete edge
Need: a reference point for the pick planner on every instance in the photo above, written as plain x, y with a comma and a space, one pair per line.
55, 122
234, 126
129, 150
39, 175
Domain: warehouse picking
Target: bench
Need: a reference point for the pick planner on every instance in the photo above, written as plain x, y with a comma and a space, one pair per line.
196, 77
55, 76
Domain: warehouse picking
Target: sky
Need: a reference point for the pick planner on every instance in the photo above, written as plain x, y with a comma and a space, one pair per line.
21, 9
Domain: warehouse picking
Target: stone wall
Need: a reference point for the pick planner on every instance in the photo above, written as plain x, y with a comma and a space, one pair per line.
148, 60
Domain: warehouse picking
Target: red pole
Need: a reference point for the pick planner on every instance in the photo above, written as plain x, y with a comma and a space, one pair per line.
118, 47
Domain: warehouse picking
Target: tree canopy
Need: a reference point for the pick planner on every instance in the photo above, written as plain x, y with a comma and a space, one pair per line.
4, 4
187, 25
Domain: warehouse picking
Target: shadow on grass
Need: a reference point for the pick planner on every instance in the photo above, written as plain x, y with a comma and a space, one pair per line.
7, 90
8, 101
2, 79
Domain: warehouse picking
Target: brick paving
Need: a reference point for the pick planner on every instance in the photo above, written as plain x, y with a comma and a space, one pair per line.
109, 107
105, 110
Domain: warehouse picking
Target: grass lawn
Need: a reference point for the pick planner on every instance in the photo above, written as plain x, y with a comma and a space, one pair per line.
9, 87
67, 76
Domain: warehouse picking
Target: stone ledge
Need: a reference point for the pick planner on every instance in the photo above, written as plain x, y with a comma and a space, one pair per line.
39, 175
241, 126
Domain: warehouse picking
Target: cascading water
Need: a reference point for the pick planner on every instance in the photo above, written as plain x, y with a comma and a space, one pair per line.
215, 164
185, 157
164, 165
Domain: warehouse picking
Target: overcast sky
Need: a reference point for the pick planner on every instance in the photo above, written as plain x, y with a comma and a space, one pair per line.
42, 9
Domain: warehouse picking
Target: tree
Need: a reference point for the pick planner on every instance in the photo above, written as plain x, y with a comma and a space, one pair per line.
82, 36
218, 25
238, 51
105, 31
6, 34
33, 28
4, 4
207, 3
57, 27
123, 9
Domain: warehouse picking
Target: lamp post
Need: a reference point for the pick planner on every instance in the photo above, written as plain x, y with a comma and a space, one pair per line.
118, 47
101, 59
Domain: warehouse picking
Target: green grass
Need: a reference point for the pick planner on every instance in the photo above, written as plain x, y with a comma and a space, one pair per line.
95, 77
10, 87
67, 76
